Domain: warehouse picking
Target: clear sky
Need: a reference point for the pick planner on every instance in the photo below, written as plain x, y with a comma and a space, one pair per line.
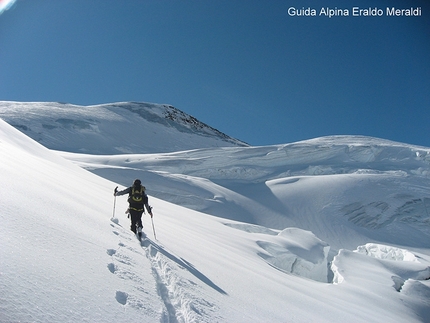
245, 67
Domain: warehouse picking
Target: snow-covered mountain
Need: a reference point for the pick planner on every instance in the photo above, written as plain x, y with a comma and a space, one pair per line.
334, 229
126, 127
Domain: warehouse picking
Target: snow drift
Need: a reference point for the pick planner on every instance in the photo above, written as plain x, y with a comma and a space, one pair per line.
298, 252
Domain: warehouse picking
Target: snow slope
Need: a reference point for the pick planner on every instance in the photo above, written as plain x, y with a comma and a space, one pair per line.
124, 127
371, 187
330, 230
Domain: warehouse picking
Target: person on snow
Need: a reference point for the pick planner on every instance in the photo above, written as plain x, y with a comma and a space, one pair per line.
137, 200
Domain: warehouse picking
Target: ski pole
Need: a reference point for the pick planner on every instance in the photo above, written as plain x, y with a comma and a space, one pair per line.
153, 228
114, 201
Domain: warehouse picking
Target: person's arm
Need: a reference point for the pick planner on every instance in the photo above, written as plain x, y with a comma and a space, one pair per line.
123, 192
145, 202
149, 209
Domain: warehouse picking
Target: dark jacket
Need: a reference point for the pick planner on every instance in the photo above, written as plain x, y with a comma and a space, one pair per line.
133, 205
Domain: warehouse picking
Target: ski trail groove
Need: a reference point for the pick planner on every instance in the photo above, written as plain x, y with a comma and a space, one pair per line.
127, 264
180, 298
178, 304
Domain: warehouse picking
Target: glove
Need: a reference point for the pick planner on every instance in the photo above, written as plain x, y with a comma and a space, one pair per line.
115, 191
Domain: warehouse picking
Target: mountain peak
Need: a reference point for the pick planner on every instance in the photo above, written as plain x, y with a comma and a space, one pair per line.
122, 127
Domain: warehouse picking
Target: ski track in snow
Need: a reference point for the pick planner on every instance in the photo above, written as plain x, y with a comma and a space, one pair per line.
177, 304
123, 264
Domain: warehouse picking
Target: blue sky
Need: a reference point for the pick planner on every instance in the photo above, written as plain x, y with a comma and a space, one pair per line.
245, 67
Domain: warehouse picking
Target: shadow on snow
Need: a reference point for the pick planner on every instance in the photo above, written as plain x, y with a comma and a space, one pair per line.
183, 263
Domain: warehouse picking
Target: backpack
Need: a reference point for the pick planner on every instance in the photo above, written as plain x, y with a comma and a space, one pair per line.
137, 195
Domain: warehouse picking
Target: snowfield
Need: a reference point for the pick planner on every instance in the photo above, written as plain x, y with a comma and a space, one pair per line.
333, 229
101, 129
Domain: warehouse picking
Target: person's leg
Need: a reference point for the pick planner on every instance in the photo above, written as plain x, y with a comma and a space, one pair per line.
139, 220
134, 216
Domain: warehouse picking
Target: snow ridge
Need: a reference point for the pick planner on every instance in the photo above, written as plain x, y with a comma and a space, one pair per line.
372, 183
124, 127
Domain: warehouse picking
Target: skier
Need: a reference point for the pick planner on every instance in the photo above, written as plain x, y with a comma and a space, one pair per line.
137, 199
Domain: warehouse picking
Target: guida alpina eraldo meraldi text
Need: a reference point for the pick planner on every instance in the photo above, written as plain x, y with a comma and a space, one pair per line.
355, 12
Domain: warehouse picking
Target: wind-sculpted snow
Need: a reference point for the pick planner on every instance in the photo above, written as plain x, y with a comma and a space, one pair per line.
387, 267
378, 185
292, 250
386, 252
297, 252
257, 164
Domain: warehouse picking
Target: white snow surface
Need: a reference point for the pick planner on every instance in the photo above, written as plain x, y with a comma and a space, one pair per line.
333, 229
101, 129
